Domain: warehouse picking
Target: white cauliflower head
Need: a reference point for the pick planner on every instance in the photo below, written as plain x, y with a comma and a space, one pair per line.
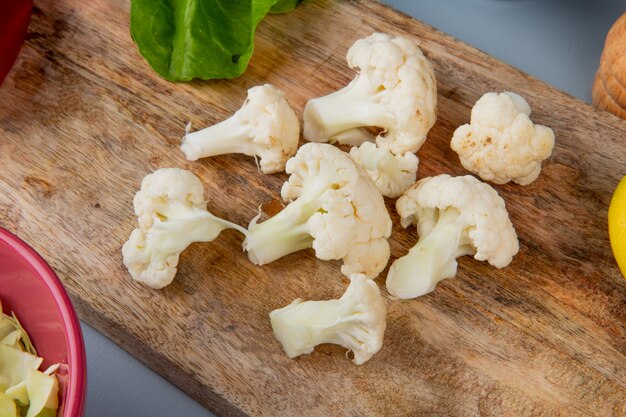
355, 321
172, 214
334, 208
265, 127
501, 143
392, 174
395, 90
455, 216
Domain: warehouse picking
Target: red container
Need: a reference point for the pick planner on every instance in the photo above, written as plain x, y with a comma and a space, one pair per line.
30, 288
14, 18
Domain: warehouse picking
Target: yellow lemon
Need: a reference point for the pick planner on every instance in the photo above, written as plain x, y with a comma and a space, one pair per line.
617, 225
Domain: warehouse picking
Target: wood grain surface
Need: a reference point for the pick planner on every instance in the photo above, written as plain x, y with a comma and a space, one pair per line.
83, 119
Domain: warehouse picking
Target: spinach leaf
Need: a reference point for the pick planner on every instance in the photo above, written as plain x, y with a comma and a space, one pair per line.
187, 39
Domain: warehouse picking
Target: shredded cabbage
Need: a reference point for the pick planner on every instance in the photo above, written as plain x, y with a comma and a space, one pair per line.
24, 390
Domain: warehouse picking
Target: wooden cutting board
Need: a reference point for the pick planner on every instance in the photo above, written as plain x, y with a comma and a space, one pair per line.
83, 119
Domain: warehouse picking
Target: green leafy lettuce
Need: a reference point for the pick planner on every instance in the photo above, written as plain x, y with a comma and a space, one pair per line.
187, 39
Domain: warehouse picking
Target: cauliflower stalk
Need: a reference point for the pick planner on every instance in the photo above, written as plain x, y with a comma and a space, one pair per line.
334, 208
392, 174
501, 143
172, 214
265, 127
455, 216
355, 321
395, 90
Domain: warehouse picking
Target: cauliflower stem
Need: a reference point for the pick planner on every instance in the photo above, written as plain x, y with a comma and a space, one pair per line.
345, 112
334, 208
310, 323
394, 90
288, 231
433, 258
265, 127
171, 215
455, 216
176, 235
152, 254
228, 136
356, 321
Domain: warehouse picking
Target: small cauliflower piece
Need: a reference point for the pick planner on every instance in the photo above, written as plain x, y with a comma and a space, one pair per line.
501, 143
391, 173
355, 321
334, 208
455, 216
172, 214
265, 127
395, 90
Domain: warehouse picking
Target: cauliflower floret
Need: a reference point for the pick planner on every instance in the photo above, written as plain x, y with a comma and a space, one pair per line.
172, 214
335, 208
355, 321
455, 216
392, 174
395, 90
501, 143
265, 127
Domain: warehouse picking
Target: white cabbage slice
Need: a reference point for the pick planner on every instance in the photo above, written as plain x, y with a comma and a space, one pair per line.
7, 406
24, 390
43, 392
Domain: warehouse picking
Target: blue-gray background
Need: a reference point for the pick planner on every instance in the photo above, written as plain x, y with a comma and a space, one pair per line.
558, 41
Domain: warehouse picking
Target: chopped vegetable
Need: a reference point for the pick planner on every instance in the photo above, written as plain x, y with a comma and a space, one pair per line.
334, 208
501, 143
172, 214
395, 90
12, 333
43, 394
187, 39
455, 216
8, 408
393, 174
265, 127
355, 321
24, 390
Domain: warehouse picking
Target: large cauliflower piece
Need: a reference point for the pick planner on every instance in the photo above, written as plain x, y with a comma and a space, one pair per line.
334, 207
355, 321
501, 143
265, 127
394, 90
172, 214
455, 216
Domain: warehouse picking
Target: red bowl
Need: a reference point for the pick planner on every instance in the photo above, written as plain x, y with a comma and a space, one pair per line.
14, 18
30, 288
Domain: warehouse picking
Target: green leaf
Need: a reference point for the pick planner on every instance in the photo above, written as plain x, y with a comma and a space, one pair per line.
187, 39
284, 6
